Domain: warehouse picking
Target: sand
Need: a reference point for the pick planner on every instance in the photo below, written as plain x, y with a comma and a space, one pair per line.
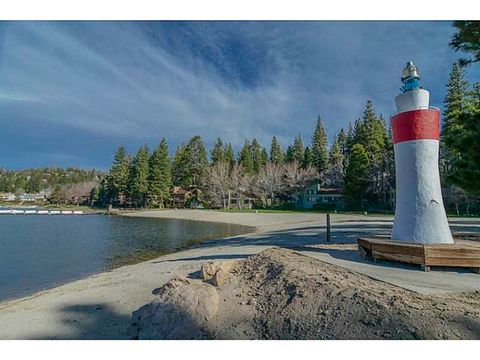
100, 306
280, 294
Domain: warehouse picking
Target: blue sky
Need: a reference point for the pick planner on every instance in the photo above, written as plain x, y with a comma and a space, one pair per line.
72, 92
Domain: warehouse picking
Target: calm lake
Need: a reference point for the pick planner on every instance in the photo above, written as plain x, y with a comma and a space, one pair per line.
39, 252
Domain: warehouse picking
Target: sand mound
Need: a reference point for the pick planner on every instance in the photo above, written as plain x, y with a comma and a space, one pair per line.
279, 294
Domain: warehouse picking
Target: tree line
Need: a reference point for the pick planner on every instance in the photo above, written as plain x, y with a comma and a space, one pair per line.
43, 179
460, 145
359, 160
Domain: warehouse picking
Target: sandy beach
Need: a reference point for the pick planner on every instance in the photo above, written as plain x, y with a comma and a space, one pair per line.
101, 306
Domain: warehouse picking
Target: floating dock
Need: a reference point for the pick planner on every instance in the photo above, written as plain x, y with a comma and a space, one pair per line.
40, 212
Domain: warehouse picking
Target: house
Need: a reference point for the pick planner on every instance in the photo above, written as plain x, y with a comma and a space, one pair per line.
186, 198
315, 197
7, 197
31, 197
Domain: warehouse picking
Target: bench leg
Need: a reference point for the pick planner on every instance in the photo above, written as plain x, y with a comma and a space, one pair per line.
425, 268
362, 252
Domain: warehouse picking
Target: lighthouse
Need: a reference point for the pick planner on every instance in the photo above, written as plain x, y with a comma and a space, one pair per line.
420, 215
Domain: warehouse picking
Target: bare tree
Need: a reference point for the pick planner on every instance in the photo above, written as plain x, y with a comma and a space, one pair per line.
269, 182
239, 182
298, 178
218, 182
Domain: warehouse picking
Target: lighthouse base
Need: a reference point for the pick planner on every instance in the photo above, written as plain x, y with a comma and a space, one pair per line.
419, 212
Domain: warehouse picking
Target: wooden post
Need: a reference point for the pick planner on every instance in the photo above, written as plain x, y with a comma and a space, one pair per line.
329, 234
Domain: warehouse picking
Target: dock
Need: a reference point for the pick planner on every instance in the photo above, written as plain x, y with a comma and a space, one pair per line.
40, 212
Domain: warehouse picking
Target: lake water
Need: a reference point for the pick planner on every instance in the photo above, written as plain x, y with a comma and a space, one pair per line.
39, 252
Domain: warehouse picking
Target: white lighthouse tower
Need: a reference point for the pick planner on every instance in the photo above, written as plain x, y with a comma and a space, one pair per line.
419, 213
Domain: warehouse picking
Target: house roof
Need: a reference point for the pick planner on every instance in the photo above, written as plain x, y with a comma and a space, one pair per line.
331, 191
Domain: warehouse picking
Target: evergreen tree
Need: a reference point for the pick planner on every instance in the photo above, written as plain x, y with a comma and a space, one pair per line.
160, 176
350, 139
298, 150
263, 158
320, 147
180, 170
335, 174
229, 155
307, 158
342, 139
276, 152
356, 177
467, 39
218, 152
456, 99
118, 176
245, 158
94, 196
289, 154
371, 132
257, 157
190, 163
464, 141
455, 104
139, 174
104, 197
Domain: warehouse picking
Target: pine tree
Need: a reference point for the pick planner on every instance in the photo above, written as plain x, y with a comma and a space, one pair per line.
245, 158
307, 158
455, 103
104, 197
289, 154
464, 140
342, 139
263, 158
335, 175
94, 196
160, 175
257, 158
190, 163
298, 150
467, 39
217, 153
118, 176
456, 99
229, 155
356, 177
139, 177
320, 147
276, 152
371, 132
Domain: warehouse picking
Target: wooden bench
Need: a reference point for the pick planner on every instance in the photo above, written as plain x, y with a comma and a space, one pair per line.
465, 254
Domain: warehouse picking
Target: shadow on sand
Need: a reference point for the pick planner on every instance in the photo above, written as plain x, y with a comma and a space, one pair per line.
93, 321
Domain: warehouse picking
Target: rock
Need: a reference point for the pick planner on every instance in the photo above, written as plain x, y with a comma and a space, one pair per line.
223, 269
209, 269
181, 312
221, 277
175, 282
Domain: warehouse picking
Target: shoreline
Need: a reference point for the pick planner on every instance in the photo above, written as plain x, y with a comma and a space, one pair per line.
100, 306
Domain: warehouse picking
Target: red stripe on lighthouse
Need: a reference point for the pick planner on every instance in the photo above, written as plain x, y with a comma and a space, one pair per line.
416, 125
